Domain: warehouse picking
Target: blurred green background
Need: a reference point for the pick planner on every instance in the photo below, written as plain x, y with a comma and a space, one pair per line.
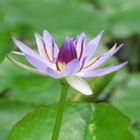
21, 92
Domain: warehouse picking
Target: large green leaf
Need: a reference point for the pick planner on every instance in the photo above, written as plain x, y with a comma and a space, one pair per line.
127, 99
80, 122
10, 113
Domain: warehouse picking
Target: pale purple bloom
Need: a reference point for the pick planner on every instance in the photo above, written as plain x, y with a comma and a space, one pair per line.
72, 61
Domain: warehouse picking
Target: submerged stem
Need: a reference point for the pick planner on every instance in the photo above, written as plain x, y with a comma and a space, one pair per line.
60, 111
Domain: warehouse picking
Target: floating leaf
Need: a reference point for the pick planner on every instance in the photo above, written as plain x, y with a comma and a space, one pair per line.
10, 113
80, 121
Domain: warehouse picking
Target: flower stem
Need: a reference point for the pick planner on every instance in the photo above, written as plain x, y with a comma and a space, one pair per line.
60, 111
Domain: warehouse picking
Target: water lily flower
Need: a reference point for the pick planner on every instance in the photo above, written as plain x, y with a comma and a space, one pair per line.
73, 61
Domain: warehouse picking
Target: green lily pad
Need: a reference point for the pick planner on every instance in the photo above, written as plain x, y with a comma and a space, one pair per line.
127, 99
10, 113
81, 121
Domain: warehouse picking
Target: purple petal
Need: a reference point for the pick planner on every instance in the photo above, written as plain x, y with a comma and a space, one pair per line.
67, 52
50, 45
48, 71
42, 67
71, 68
80, 44
27, 68
53, 73
83, 63
41, 47
92, 46
103, 58
103, 71
31, 53
24, 48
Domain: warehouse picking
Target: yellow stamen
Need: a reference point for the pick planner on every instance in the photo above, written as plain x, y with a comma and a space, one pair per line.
61, 66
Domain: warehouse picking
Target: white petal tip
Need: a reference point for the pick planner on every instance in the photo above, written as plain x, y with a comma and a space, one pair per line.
100, 34
88, 93
14, 39
115, 44
37, 35
18, 53
121, 45
45, 31
79, 84
102, 31
83, 34
125, 63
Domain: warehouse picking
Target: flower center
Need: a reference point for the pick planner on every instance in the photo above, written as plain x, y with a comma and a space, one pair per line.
66, 54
